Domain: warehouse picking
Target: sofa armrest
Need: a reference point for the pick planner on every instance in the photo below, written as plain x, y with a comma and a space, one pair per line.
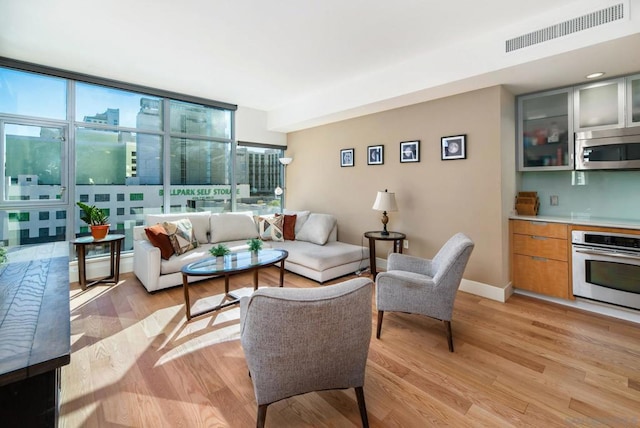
139, 233
146, 263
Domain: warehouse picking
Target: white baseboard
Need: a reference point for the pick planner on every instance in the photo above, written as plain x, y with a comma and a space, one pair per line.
99, 267
485, 290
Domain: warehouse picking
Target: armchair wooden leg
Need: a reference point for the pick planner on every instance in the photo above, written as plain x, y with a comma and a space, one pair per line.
262, 415
379, 325
447, 325
362, 406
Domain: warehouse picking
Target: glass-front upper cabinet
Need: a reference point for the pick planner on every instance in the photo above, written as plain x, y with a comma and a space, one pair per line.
545, 131
633, 100
599, 105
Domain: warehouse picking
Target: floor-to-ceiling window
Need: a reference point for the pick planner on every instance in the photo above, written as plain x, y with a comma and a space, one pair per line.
129, 152
259, 178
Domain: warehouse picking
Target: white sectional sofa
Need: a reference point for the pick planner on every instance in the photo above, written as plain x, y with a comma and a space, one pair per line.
315, 253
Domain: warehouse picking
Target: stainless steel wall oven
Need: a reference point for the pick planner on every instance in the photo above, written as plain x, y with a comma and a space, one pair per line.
606, 267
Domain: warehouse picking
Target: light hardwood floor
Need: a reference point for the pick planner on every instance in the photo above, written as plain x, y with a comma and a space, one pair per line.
136, 362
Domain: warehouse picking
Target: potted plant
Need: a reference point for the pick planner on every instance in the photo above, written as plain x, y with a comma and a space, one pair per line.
96, 218
254, 245
219, 251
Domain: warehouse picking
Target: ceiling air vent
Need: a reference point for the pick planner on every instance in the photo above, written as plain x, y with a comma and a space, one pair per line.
603, 16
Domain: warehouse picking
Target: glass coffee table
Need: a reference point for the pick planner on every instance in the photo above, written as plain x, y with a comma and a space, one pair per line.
228, 265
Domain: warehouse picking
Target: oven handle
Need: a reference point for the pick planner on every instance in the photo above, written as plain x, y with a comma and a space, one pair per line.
607, 253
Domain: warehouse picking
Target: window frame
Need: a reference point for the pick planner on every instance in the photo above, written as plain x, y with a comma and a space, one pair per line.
71, 123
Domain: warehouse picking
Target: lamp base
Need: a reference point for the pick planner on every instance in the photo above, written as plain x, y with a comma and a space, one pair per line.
385, 220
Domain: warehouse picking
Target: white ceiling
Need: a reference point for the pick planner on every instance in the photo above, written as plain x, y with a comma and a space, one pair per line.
311, 62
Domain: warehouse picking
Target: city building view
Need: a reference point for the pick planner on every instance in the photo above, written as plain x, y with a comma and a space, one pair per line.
116, 155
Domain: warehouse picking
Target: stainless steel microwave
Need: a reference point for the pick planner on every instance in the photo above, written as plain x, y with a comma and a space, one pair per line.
608, 149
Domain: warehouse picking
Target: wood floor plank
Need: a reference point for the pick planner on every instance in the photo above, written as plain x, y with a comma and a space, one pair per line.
137, 362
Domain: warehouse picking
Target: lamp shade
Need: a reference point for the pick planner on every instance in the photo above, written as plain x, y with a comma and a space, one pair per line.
385, 201
285, 161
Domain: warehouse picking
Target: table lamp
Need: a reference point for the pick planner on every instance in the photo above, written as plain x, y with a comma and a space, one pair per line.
385, 201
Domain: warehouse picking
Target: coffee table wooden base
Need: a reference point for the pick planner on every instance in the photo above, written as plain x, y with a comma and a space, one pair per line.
234, 295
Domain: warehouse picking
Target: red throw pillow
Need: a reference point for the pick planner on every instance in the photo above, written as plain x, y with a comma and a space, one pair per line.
158, 237
289, 227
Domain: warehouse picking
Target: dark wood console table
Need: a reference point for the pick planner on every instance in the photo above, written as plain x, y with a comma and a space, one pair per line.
35, 333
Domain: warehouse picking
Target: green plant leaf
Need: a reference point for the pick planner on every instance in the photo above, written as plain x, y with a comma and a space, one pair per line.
219, 250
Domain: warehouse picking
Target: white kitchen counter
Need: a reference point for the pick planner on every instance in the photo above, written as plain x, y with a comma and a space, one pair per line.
582, 220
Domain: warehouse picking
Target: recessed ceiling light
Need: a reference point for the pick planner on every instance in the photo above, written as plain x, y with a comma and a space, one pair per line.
594, 75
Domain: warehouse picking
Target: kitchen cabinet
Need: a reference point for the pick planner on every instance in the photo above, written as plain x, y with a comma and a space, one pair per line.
540, 257
633, 100
545, 131
599, 105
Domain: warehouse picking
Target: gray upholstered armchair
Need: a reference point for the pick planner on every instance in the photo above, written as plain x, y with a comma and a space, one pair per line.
298, 340
422, 286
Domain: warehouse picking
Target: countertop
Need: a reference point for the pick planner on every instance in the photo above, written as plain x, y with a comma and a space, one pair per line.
582, 220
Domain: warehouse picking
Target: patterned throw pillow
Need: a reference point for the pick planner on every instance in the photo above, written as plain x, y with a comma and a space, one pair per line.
270, 228
181, 235
157, 235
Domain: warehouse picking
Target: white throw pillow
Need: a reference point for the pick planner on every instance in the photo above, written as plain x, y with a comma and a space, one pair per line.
317, 228
232, 227
301, 218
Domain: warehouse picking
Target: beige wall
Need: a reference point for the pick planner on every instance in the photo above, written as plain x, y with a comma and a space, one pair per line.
436, 198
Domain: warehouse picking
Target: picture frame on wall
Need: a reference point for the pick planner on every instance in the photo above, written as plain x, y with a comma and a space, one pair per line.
454, 147
375, 155
347, 157
410, 151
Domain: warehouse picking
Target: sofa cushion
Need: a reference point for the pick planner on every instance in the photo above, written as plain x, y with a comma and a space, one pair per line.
199, 221
301, 218
317, 228
328, 256
177, 262
157, 235
233, 227
270, 228
288, 226
181, 235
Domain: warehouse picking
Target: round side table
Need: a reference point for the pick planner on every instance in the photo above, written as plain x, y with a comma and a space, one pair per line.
373, 236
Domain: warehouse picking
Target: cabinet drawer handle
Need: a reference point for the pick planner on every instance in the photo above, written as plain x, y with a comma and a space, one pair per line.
541, 238
539, 223
539, 259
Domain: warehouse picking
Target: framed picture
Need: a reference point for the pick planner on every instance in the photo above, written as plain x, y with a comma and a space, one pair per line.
375, 155
346, 157
454, 147
410, 151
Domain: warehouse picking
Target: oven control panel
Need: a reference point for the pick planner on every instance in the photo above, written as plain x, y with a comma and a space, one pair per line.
606, 240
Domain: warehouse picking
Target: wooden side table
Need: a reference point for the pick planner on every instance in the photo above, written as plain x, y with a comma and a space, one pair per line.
397, 238
115, 247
